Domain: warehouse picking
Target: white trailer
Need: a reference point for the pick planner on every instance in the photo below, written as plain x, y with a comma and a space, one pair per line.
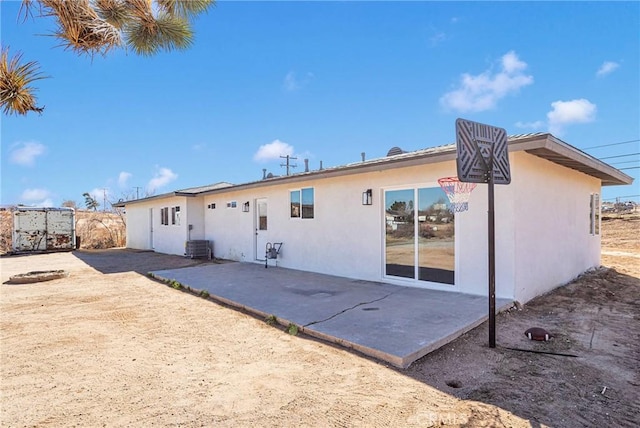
43, 229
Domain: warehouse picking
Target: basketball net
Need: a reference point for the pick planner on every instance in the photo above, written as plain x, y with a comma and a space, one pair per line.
458, 192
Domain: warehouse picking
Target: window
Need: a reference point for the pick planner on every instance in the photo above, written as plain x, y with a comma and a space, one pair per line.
164, 216
302, 203
594, 215
175, 215
232, 204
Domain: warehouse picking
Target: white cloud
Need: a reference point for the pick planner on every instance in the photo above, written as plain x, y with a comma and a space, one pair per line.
37, 197
123, 179
292, 82
437, 38
568, 112
161, 178
538, 124
483, 91
26, 153
198, 147
273, 151
607, 67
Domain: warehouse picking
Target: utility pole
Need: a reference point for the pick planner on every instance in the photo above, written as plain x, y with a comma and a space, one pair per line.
288, 165
137, 189
104, 199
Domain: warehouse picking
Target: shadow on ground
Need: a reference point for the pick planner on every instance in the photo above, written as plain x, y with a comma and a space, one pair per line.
117, 260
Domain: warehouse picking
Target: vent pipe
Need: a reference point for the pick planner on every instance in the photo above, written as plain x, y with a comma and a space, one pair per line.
264, 173
320, 165
362, 154
306, 165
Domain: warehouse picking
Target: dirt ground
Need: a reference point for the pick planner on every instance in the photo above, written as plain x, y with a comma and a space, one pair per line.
108, 346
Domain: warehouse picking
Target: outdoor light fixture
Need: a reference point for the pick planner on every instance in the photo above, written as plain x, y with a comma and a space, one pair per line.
245, 207
367, 197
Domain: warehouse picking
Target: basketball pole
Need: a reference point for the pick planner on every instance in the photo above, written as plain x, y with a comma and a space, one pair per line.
491, 220
492, 257
474, 167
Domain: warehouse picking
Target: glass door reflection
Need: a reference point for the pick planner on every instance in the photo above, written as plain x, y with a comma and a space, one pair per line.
400, 233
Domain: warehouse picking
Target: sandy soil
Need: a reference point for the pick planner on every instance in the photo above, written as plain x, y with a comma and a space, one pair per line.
109, 347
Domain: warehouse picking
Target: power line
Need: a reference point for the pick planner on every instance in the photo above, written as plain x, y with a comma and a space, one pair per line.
620, 197
620, 163
612, 144
620, 156
630, 167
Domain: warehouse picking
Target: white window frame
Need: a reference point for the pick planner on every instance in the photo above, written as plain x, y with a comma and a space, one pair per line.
594, 214
300, 210
164, 216
175, 215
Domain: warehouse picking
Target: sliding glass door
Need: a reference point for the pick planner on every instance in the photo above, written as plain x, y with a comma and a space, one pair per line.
419, 235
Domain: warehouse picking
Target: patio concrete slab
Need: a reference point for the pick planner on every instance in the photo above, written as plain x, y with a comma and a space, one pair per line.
393, 323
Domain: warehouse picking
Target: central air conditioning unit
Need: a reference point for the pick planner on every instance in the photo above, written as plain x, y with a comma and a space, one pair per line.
199, 249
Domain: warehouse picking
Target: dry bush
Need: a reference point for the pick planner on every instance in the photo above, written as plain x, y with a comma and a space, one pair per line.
6, 222
98, 230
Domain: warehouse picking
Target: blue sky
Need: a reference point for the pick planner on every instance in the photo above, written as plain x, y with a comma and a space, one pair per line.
319, 80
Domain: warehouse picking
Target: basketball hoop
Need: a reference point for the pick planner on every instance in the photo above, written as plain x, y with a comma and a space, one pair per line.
458, 192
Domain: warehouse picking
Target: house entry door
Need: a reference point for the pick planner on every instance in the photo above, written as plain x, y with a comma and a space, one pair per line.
261, 227
151, 228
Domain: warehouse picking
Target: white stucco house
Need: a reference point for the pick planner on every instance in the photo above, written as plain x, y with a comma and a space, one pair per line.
547, 220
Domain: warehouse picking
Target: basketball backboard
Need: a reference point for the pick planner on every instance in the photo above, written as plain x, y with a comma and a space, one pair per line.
481, 148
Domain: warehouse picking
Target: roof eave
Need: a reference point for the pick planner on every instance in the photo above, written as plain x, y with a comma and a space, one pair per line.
548, 147
152, 198
545, 146
374, 165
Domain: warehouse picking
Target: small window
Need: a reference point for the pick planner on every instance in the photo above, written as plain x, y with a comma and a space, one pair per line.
232, 204
164, 216
594, 215
295, 204
307, 203
302, 203
175, 215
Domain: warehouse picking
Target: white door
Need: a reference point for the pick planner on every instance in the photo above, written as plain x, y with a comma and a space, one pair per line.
151, 228
261, 227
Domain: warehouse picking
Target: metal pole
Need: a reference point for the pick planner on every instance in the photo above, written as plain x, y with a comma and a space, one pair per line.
492, 262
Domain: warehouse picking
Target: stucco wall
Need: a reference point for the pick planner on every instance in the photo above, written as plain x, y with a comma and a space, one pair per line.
473, 241
138, 224
168, 239
552, 209
541, 227
344, 238
195, 217
230, 229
